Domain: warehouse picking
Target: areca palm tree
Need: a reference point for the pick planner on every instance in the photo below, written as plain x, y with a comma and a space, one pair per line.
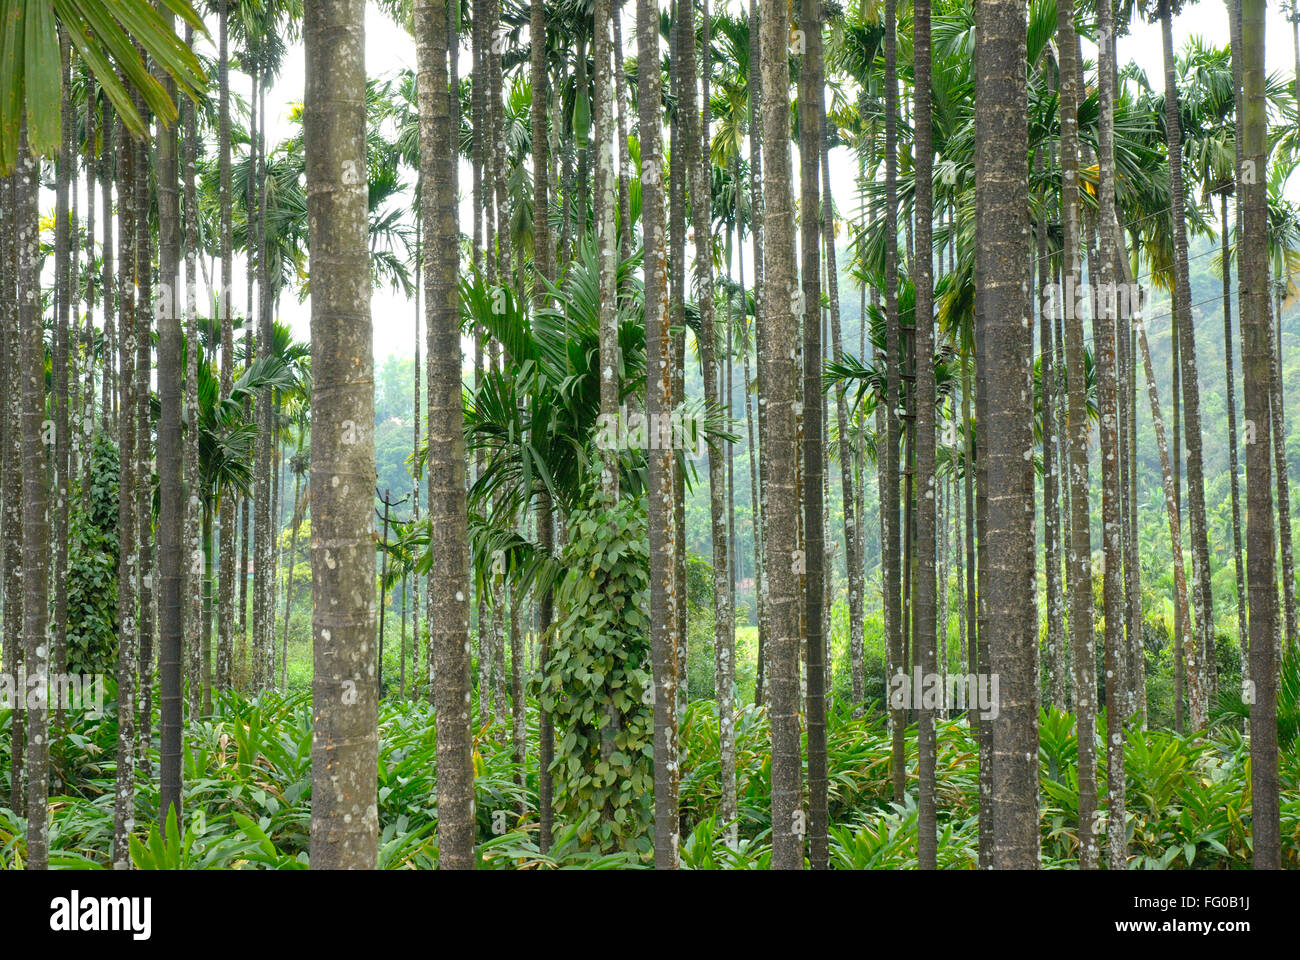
345, 745
777, 437
663, 588
1188, 373
1078, 563
1104, 333
1209, 89
105, 38
449, 589
1002, 252
1256, 373
925, 612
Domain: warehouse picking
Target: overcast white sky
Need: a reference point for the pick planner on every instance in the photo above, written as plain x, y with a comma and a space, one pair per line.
389, 49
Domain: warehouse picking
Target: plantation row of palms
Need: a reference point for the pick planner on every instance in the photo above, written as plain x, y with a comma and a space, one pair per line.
641, 310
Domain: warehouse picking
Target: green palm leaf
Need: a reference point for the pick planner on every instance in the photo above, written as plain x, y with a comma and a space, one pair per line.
106, 37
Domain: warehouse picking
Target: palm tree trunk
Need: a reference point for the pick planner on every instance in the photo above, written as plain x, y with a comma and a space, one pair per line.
299, 508
263, 673
518, 711
88, 423
811, 120
171, 465
11, 442
449, 590
760, 595
1182, 620
1079, 556
777, 437
677, 174
193, 482
143, 459
1055, 600
128, 558
1187, 348
852, 506
924, 613
606, 245
226, 546
1255, 360
1283, 481
345, 741
724, 640
1110, 451
108, 385
542, 263
660, 465
415, 477
35, 502
889, 496
60, 358
1231, 391
625, 162
755, 90
1002, 209
968, 485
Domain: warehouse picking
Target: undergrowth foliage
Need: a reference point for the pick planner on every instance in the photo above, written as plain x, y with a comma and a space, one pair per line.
247, 795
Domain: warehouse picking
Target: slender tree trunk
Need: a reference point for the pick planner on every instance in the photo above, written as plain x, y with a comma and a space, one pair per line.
542, 263
811, 119
35, 503
193, 519
682, 21
143, 457
11, 442
1079, 555
760, 595
88, 423
449, 589
1182, 308
1283, 480
345, 742
1231, 391
777, 436
756, 236
1110, 452
1253, 300
660, 463
263, 673
1002, 208
299, 508
724, 641
1184, 638
226, 554
518, 709
171, 465
624, 158
128, 558
849, 449
1055, 600
108, 385
415, 477
606, 244
59, 359
890, 495
924, 623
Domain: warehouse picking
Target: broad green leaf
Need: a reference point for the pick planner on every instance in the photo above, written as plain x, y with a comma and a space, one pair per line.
43, 77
